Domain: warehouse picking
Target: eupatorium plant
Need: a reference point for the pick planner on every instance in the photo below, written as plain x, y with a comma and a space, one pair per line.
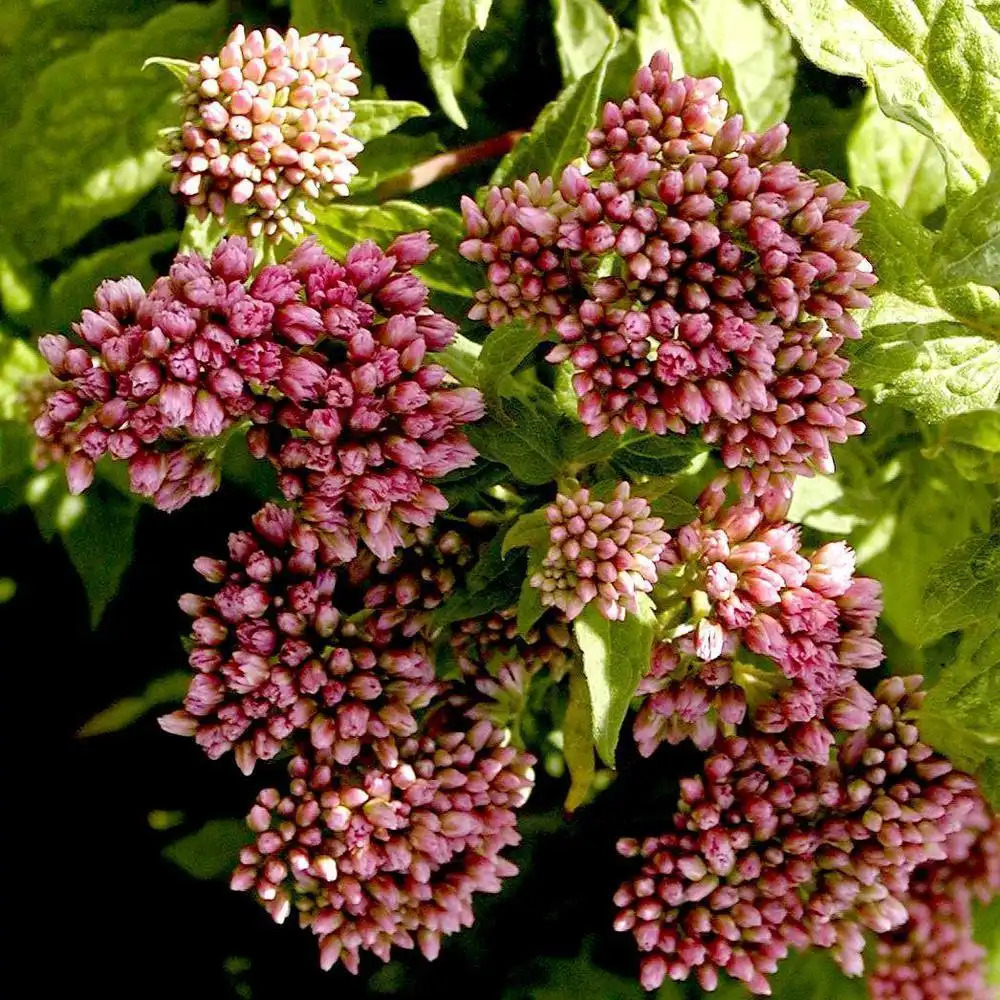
521, 513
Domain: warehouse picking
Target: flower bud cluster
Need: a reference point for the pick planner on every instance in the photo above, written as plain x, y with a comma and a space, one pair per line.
602, 551
390, 851
694, 279
156, 377
747, 597
364, 421
266, 130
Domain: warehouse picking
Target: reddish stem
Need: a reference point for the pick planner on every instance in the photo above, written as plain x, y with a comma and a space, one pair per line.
445, 164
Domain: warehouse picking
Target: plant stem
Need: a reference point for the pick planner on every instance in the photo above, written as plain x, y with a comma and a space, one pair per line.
445, 164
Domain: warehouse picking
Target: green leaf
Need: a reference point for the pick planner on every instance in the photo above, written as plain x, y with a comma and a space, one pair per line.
581, 449
963, 588
971, 441
674, 510
936, 75
578, 741
126, 711
20, 363
441, 29
73, 290
461, 357
528, 531
373, 119
583, 30
348, 18
211, 852
657, 456
340, 226
968, 248
529, 604
524, 437
615, 659
84, 149
961, 714
731, 39
559, 135
391, 159
895, 160
502, 351
97, 530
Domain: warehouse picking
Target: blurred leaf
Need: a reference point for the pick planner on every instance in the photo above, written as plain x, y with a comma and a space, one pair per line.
895, 160
961, 714
820, 131
73, 290
97, 530
615, 659
20, 286
374, 119
583, 30
803, 975
559, 135
19, 364
211, 852
84, 149
731, 39
971, 441
340, 226
126, 711
578, 741
963, 588
441, 29
936, 74
968, 248
348, 18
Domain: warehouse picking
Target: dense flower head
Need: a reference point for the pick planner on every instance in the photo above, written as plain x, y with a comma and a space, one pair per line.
266, 129
365, 421
154, 377
934, 956
289, 641
694, 279
747, 596
390, 851
603, 551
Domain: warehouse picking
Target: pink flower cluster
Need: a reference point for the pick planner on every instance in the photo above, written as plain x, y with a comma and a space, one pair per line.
156, 377
746, 596
600, 551
706, 283
771, 850
364, 421
266, 130
390, 851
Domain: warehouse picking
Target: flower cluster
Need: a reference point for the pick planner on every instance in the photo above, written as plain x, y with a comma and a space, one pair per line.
365, 421
771, 850
600, 551
747, 596
694, 279
390, 851
156, 377
266, 129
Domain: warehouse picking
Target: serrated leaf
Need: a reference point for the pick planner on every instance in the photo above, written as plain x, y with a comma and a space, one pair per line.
583, 30
674, 510
963, 588
502, 351
529, 604
933, 73
656, 456
895, 160
441, 29
968, 248
731, 39
960, 716
578, 741
340, 226
373, 119
126, 711
581, 449
73, 290
211, 852
559, 135
530, 530
615, 659
524, 437
85, 147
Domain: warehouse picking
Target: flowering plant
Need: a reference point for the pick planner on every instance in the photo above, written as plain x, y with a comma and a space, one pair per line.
654, 479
